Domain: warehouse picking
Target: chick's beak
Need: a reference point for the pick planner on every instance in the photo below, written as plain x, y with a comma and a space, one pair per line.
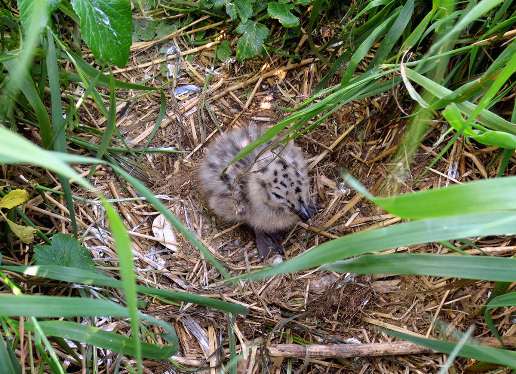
305, 212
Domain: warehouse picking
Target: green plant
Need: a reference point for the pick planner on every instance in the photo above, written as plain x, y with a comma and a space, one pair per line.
250, 16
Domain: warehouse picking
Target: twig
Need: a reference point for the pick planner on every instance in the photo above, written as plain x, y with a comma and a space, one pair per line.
363, 350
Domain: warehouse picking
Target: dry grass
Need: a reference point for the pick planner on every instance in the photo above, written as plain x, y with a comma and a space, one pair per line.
312, 307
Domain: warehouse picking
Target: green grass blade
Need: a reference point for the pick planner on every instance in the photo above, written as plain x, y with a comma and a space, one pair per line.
475, 351
400, 235
453, 354
472, 15
488, 195
95, 278
35, 15
466, 267
110, 122
102, 339
29, 91
486, 117
127, 273
63, 307
162, 113
58, 122
8, 359
498, 83
18, 150
364, 48
102, 80
394, 33
505, 300
53, 360
417, 34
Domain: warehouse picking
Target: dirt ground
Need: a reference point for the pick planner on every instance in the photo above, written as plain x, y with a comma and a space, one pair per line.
310, 307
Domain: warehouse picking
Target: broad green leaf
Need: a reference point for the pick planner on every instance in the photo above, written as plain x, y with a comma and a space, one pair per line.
478, 352
24, 233
400, 235
100, 338
482, 196
282, 12
64, 250
466, 267
127, 273
251, 42
231, 11
244, 9
14, 198
96, 278
223, 51
106, 27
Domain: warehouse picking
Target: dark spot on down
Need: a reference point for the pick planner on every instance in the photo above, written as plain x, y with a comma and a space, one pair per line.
283, 184
286, 176
263, 184
212, 165
224, 178
297, 190
277, 196
275, 173
283, 163
275, 180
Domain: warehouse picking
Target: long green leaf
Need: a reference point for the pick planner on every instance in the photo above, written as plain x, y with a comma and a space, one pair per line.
28, 89
487, 118
18, 150
466, 267
490, 195
58, 122
400, 235
127, 273
394, 33
95, 278
475, 351
8, 359
35, 15
472, 15
506, 300
102, 339
61, 306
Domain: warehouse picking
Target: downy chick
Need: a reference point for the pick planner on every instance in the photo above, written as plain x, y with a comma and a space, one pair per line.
268, 190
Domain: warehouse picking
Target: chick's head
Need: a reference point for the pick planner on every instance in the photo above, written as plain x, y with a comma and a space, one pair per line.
282, 185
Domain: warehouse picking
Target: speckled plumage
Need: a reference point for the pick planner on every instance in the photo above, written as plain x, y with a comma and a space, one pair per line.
267, 190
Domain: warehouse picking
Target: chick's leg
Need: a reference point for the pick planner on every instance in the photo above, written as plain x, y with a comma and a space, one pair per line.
268, 243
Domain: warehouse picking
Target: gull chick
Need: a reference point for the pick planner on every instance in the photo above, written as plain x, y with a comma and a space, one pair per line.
268, 190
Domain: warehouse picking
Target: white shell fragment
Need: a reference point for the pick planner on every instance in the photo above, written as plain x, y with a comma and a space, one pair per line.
163, 231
